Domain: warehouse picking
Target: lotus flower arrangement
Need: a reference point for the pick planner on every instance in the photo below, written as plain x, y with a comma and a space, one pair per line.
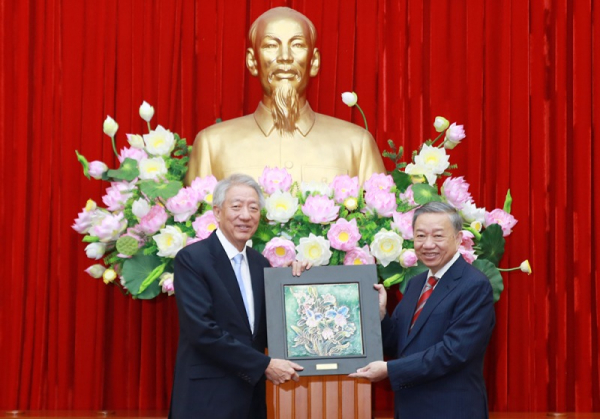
150, 215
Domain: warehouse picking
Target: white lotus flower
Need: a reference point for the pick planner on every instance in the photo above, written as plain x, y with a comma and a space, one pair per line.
386, 246
471, 213
159, 142
321, 188
140, 208
314, 249
146, 111
95, 250
110, 126
433, 158
170, 241
152, 168
281, 206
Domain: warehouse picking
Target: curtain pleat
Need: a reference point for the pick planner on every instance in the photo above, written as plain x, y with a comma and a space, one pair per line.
521, 75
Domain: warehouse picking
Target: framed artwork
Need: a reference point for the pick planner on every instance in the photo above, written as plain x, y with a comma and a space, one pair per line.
326, 320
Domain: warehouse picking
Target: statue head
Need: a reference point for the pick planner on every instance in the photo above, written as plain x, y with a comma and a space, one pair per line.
283, 56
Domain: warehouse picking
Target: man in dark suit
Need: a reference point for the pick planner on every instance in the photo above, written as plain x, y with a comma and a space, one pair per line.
219, 288
439, 331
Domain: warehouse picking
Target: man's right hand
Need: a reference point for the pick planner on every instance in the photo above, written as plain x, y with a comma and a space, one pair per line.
279, 371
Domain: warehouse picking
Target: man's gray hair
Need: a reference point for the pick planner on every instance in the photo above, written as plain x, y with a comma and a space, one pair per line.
236, 179
276, 12
440, 208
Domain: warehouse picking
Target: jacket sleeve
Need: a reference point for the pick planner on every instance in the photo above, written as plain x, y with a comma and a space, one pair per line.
471, 323
195, 304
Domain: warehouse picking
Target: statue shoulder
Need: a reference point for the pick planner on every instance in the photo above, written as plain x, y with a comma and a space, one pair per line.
228, 127
343, 128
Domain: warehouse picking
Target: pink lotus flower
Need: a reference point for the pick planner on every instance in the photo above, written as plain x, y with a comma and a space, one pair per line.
204, 187
280, 252
408, 196
467, 239
501, 217
359, 256
83, 222
132, 153
117, 194
454, 135
468, 254
184, 204
97, 169
344, 235
344, 187
456, 192
403, 224
320, 209
275, 179
408, 258
153, 221
384, 203
379, 182
205, 225
109, 228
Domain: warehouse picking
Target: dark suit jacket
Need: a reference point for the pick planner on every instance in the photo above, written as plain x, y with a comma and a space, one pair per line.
219, 372
438, 370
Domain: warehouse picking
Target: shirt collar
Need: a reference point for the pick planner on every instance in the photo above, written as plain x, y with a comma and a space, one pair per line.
230, 249
439, 274
264, 120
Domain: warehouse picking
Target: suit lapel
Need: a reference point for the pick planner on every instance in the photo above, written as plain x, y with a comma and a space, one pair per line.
447, 283
227, 276
257, 277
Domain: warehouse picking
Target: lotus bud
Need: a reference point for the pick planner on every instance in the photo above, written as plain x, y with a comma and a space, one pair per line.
146, 111
97, 169
135, 140
95, 271
110, 126
440, 124
349, 98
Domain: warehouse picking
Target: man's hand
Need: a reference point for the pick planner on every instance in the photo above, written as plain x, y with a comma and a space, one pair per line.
375, 371
298, 267
382, 300
279, 371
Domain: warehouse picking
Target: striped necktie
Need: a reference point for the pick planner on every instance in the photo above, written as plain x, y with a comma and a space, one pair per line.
427, 290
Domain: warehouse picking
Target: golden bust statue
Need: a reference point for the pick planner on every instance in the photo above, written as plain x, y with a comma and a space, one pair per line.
284, 131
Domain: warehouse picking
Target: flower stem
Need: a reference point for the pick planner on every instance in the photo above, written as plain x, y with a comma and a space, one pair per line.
509, 269
364, 117
112, 139
437, 138
149, 127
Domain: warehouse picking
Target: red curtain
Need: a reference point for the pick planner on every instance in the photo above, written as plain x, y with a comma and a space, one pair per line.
521, 75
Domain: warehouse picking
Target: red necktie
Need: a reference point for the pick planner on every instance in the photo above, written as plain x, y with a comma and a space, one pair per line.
423, 298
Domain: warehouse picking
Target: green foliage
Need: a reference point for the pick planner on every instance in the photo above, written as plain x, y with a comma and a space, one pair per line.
136, 270
164, 190
508, 202
84, 163
425, 193
127, 245
402, 180
128, 171
411, 273
492, 244
493, 275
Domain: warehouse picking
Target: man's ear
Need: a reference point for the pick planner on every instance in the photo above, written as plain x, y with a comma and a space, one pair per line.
251, 63
315, 63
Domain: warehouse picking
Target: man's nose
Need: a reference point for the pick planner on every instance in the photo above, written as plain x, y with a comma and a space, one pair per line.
284, 53
429, 242
244, 213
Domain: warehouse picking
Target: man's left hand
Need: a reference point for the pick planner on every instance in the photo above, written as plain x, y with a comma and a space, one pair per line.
375, 371
299, 266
